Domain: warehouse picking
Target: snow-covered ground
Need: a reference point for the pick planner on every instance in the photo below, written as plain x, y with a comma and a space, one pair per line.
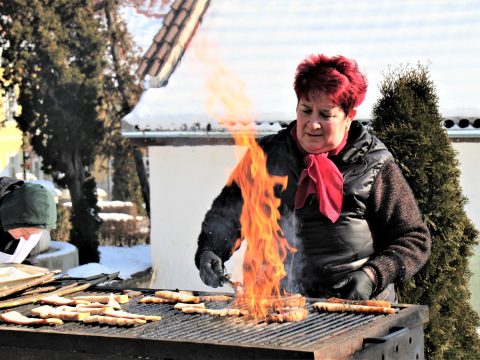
127, 260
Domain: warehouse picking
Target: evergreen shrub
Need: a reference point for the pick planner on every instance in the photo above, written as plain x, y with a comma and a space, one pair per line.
407, 119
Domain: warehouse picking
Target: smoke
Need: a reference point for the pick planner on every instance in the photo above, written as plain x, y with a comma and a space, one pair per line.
294, 263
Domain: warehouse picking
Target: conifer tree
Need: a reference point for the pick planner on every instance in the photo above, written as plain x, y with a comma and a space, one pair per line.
56, 55
123, 90
406, 118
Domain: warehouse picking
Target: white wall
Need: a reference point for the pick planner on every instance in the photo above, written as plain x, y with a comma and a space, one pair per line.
469, 157
184, 180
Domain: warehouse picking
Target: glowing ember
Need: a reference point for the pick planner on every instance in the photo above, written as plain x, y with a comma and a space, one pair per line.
267, 248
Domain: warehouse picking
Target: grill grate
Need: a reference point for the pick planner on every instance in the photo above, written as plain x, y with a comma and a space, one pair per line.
176, 325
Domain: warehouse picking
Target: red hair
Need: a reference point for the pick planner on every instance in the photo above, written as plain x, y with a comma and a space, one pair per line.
337, 77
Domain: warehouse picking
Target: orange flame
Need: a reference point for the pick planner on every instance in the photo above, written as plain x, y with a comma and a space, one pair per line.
267, 248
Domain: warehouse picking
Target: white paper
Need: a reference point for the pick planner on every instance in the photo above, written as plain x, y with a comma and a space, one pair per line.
23, 249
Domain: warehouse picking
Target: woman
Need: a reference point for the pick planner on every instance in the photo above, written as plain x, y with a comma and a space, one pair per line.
25, 209
347, 208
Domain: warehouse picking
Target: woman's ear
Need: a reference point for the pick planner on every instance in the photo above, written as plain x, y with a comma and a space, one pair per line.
352, 114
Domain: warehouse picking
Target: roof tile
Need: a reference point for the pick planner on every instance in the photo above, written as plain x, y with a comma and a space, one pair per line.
172, 34
169, 18
164, 49
177, 4
189, 4
151, 50
154, 67
181, 16
143, 66
160, 35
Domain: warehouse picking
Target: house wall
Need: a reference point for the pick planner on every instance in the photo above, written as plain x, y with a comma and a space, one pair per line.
469, 157
184, 180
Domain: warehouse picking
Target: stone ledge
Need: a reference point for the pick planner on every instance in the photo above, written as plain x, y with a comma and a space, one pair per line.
60, 255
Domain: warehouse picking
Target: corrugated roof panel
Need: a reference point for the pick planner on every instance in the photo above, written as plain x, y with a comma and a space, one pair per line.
261, 42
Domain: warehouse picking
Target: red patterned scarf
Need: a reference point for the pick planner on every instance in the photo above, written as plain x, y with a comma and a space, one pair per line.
321, 176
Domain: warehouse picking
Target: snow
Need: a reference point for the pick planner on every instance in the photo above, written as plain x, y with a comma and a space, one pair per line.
115, 216
127, 260
261, 43
114, 203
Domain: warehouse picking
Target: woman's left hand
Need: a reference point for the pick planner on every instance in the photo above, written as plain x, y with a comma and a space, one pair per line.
355, 286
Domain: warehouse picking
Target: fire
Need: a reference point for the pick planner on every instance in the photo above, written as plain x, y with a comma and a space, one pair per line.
267, 248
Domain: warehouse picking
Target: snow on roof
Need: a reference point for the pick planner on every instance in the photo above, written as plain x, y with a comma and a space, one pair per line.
263, 41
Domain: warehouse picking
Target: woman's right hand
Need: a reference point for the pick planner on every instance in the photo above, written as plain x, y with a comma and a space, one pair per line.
211, 269
357, 285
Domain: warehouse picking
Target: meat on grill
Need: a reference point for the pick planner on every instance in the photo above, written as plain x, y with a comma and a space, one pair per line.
110, 320
215, 298
185, 297
377, 303
292, 301
180, 306
288, 315
214, 312
132, 293
335, 307
104, 299
60, 300
82, 309
127, 315
46, 311
95, 305
14, 317
156, 300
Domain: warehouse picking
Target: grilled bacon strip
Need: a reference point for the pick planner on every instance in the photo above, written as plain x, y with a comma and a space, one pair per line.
333, 307
111, 304
156, 300
376, 303
110, 320
14, 317
46, 311
215, 298
127, 315
104, 299
60, 300
180, 306
82, 309
132, 293
185, 297
288, 315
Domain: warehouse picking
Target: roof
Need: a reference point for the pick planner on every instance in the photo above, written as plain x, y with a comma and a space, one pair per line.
261, 42
168, 45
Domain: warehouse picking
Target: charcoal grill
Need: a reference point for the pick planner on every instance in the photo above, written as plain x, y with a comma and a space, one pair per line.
197, 336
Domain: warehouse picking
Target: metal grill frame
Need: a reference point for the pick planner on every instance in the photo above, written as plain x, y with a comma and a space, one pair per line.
82, 341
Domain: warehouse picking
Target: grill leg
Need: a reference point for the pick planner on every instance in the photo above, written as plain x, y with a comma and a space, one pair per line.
400, 344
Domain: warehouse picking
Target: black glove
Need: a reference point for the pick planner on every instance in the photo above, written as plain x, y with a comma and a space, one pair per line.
211, 269
357, 285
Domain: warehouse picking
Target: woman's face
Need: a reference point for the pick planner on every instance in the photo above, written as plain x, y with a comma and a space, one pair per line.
321, 125
24, 232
